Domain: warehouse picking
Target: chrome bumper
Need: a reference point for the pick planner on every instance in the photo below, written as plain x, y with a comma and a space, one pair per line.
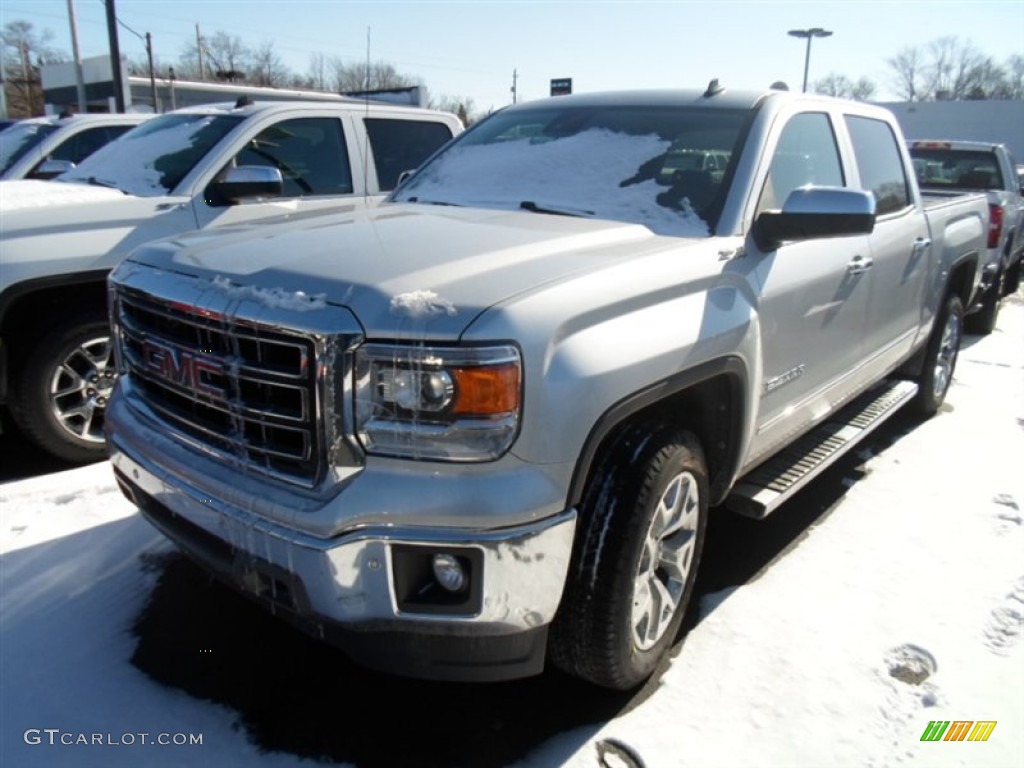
350, 579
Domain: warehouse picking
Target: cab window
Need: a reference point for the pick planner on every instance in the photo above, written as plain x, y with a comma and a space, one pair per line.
880, 163
310, 152
805, 155
402, 145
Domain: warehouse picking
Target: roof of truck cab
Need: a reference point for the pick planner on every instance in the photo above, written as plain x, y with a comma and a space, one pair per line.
261, 106
712, 96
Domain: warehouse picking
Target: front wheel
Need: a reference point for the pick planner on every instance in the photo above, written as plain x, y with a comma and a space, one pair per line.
61, 392
940, 358
643, 521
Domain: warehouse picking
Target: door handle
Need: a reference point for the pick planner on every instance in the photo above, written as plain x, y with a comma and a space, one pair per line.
860, 264
921, 244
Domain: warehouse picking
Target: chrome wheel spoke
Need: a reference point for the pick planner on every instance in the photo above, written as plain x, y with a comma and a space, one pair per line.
80, 386
78, 420
665, 560
676, 556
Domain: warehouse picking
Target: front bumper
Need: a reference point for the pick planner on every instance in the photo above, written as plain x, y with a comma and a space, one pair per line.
358, 589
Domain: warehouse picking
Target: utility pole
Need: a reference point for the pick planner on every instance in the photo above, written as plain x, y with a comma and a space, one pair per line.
199, 47
83, 106
515, 77
115, 56
152, 76
3, 84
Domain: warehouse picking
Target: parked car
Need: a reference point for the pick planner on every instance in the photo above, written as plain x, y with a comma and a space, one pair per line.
44, 147
953, 167
198, 168
482, 425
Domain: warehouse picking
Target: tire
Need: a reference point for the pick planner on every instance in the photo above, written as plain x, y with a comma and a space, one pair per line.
940, 358
983, 322
643, 520
1012, 281
61, 393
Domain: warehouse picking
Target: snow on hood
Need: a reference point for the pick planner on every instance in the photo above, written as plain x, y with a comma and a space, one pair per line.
438, 267
23, 194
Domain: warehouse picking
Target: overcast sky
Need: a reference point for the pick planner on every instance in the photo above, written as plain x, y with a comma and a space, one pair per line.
470, 49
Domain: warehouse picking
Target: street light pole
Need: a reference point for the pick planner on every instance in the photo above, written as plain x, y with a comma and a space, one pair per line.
809, 34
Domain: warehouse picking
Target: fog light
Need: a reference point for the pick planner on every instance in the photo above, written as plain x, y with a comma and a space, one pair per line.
449, 573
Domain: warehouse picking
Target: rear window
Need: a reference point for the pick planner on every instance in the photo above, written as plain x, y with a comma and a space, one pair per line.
956, 168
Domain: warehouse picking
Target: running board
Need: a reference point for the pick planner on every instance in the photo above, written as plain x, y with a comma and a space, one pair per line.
763, 490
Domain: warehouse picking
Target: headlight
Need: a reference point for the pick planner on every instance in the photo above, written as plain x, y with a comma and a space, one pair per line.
452, 403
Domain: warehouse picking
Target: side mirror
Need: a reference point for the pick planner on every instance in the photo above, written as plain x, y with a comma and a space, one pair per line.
49, 169
816, 212
249, 181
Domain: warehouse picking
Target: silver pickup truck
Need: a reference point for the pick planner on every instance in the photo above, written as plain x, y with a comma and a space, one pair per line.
483, 425
951, 168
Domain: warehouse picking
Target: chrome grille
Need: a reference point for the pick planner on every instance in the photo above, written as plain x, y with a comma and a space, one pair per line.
234, 386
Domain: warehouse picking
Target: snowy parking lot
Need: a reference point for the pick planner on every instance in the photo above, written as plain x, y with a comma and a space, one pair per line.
900, 606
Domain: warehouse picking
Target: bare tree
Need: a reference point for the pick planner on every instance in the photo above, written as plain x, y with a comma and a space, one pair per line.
227, 54
840, 85
24, 52
317, 74
461, 106
951, 69
958, 70
1014, 77
378, 75
907, 69
266, 67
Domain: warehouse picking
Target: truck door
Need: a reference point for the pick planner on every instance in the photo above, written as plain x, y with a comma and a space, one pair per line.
813, 295
312, 153
899, 244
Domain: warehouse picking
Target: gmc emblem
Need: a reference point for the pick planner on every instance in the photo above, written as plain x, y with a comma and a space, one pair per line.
182, 368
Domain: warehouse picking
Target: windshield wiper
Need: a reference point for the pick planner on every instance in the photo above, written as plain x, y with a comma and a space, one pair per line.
104, 183
529, 205
429, 202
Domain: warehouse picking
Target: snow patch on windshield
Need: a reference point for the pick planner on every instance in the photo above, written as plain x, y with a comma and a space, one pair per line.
418, 304
612, 175
275, 298
139, 162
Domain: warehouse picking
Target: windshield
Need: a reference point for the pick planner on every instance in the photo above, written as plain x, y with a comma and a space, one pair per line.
662, 167
152, 159
18, 139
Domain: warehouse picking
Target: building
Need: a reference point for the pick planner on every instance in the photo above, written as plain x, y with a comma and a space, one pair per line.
996, 122
60, 91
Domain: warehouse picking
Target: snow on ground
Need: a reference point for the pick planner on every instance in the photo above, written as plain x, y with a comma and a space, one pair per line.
903, 606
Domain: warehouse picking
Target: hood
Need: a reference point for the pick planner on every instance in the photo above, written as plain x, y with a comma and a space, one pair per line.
52, 228
406, 269
31, 208
33, 194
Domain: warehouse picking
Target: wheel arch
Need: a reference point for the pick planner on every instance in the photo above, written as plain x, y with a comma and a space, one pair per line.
31, 308
708, 400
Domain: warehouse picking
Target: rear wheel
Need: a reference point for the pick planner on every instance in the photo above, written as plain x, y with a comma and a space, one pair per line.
983, 322
940, 358
643, 522
1012, 282
61, 392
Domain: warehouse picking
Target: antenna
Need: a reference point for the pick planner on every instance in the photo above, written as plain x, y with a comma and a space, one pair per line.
366, 132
